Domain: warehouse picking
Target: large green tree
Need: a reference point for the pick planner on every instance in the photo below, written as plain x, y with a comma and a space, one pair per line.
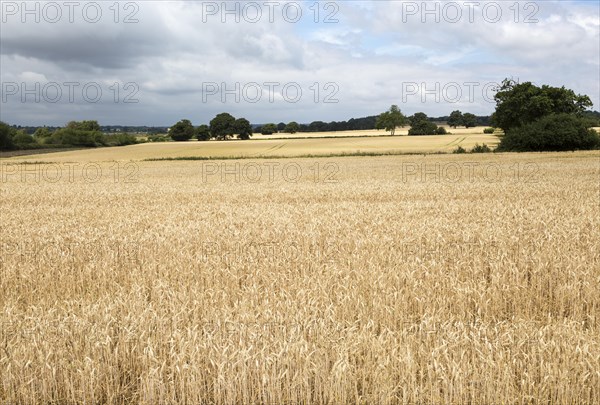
242, 128
91, 125
203, 133
292, 127
268, 129
182, 131
391, 119
469, 120
420, 125
42, 133
222, 126
518, 104
455, 119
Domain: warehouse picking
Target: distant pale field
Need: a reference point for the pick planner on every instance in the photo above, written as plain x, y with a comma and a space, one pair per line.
364, 132
272, 147
439, 279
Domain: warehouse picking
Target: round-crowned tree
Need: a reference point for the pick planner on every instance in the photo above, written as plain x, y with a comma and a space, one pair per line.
420, 125
182, 131
390, 120
242, 128
203, 133
222, 126
519, 104
292, 127
455, 119
268, 129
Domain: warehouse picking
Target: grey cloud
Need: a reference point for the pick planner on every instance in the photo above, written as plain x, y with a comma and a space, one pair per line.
171, 52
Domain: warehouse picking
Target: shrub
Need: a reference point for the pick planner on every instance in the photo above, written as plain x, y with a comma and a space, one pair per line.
460, 149
268, 129
75, 137
481, 148
489, 130
23, 139
159, 138
120, 140
42, 132
554, 132
425, 128
6, 137
441, 131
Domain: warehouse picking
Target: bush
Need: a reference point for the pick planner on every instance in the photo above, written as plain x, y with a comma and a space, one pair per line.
426, 128
75, 137
554, 132
489, 130
120, 140
441, 131
159, 138
268, 129
23, 139
460, 149
481, 148
6, 137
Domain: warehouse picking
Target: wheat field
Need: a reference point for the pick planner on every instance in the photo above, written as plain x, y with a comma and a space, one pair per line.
263, 147
446, 279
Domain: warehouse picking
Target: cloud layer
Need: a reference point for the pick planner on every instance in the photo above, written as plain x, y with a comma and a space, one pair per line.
153, 63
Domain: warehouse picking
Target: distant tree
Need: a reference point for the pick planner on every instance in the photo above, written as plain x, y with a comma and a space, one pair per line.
391, 119
23, 139
518, 104
42, 132
268, 129
78, 133
182, 131
456, 119
469, 120
242, 128
6, 136
593, 117
292, 127
203, 133
91, 125
222, 126
280, 126
420, 125
318, 126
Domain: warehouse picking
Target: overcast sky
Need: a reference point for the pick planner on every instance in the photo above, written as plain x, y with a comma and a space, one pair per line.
156, 62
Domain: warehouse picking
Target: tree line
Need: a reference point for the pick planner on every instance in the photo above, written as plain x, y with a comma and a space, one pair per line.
74, 134
225, 126
532, 118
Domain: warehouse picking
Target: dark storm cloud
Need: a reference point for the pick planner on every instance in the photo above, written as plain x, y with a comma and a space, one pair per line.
73, 40
117, 53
